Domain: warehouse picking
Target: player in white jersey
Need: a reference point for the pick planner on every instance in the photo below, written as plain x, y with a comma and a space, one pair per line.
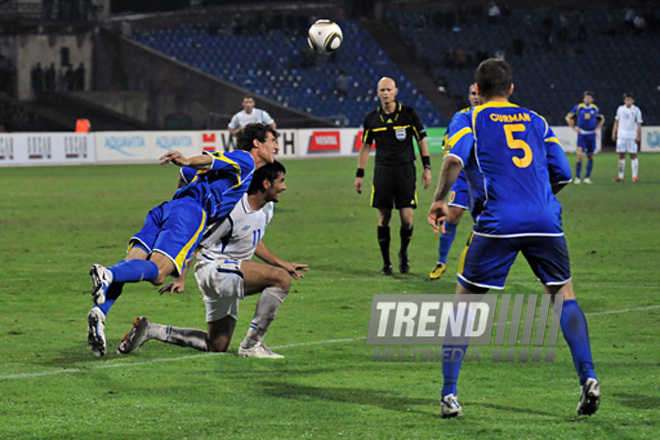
249, 114
627, 132
225, 274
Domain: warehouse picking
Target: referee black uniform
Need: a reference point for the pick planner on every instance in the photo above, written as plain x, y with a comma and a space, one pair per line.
394, 174
394, 183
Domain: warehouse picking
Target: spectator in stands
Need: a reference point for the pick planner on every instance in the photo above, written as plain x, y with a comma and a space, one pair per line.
79, 77
629, 19
61, 79
341, 85
70, 78
6, 76
460, 57
500, 53
493, 13
37, 79
49, 78
249, 114
640, 24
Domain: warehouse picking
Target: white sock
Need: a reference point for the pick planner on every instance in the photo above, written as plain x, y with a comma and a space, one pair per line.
183, 337
634, 166
269, 301
622, 167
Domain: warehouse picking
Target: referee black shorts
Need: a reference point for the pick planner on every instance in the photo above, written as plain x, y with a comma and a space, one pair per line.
394, 186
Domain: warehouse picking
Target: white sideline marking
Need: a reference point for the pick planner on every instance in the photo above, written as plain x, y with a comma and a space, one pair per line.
277, 347
614, 312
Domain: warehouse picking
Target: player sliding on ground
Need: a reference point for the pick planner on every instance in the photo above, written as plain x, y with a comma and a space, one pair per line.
514, 165
225, 274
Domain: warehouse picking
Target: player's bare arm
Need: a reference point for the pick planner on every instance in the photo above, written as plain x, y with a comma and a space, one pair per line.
451, 168
269, 257
199, 162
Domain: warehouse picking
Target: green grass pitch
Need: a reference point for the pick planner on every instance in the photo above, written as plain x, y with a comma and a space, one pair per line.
56, 221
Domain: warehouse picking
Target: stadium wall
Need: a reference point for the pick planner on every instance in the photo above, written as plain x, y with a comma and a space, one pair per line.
123, 147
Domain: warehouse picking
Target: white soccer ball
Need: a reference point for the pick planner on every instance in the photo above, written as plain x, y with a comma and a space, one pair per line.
325, 37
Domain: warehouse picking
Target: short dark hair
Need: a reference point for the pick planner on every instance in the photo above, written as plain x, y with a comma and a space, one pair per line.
252, 131
587, 93
628, 95
248, 97
270, 171
494, 78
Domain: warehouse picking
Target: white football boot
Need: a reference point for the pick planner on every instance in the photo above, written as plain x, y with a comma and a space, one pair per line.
449, 407
589, 398
258, 351
102, 278
96, 331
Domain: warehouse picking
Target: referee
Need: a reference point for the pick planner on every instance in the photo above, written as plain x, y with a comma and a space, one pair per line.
392, 126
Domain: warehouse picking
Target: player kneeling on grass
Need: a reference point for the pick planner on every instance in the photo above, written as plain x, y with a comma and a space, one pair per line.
225, 274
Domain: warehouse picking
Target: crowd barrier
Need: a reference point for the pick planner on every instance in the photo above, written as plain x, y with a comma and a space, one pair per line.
25, 149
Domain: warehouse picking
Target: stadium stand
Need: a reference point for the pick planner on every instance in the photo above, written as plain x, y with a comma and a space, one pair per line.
555, 55
276, 63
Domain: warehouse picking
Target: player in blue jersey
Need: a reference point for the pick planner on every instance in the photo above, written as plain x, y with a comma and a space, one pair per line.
514, 165
226, 273
586, 120
458, 201
166, 242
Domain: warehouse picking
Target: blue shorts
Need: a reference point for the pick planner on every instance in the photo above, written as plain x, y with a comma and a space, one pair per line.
487, 260
458, 196
173, 228
586, 143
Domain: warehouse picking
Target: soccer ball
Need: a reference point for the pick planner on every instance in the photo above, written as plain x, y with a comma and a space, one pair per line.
325, 37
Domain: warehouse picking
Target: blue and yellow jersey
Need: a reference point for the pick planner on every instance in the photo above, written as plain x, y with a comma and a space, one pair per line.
222, 186
511, 158
190, 174
445, 150
587, 117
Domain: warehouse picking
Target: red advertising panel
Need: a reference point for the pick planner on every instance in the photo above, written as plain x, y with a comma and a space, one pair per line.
325, 142
208, 142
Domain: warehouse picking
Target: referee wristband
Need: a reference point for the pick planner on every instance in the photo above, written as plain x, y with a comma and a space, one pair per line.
426, 161
360, 172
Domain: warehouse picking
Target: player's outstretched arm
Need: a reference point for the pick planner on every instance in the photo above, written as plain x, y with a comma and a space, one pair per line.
293, 268
200, 162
